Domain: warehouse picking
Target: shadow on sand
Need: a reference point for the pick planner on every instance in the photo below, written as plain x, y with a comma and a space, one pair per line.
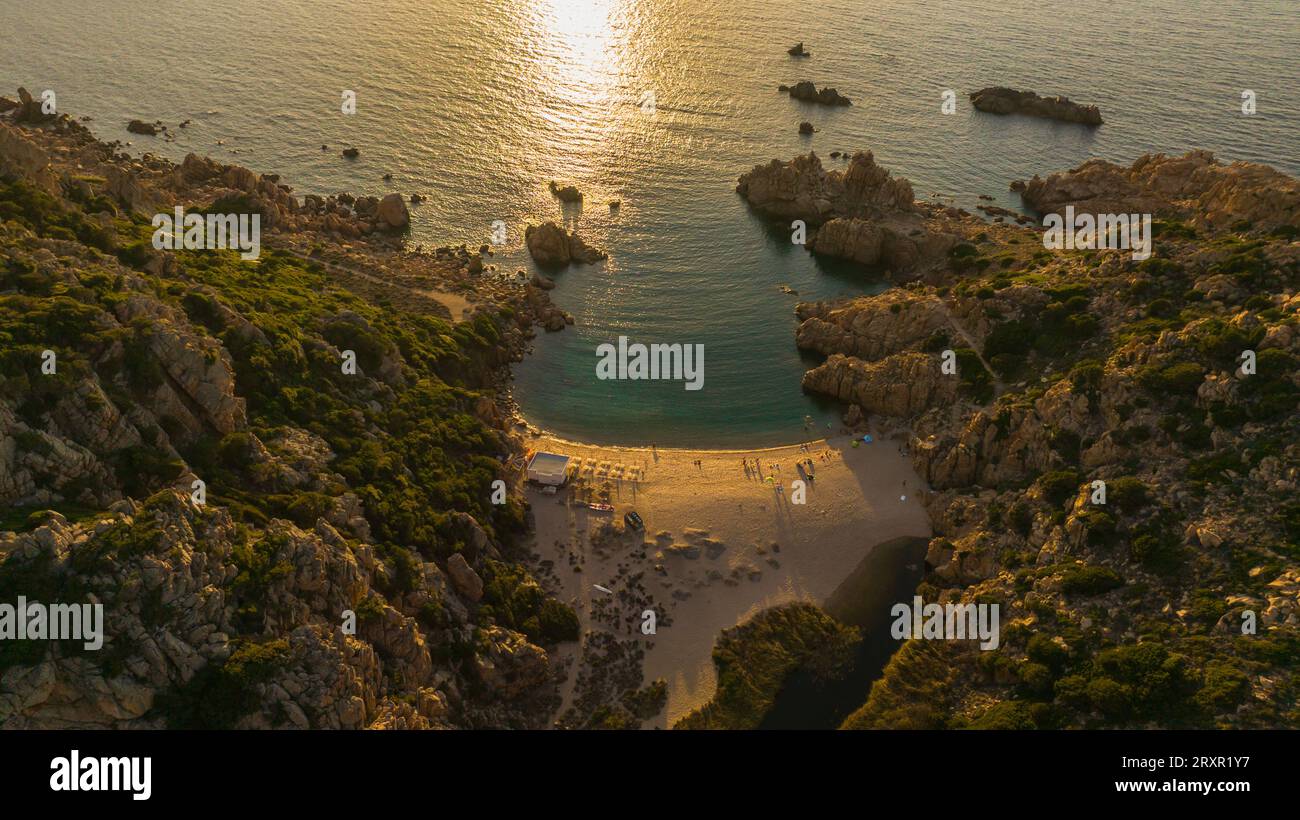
887, 575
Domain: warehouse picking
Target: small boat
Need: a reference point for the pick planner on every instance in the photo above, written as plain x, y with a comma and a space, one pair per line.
600, 507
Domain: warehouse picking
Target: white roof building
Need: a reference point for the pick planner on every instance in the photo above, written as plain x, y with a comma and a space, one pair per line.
547, 468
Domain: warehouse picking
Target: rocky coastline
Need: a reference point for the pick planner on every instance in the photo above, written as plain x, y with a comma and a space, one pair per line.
1074, 371
213, 432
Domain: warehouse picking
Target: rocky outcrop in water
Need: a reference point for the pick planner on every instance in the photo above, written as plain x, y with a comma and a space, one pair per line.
861, 213
565, 193
149, 129
802, 189
1000, 100
869, 329
392, 212
552, 246
29, 110
898, 248
807, 91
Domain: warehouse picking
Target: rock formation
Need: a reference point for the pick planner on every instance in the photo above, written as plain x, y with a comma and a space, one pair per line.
1075, 371
552, 246
803, 189
392, 212
149, 129
999, 100
807, 91
565, 193
861, 213
898, 386
1194, 187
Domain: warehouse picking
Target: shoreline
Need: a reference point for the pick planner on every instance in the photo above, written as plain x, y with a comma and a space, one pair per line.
720, 544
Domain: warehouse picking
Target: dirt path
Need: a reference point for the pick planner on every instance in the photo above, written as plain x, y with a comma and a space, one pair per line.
998, 386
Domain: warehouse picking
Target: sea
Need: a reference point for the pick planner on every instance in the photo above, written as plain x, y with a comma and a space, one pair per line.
660, 105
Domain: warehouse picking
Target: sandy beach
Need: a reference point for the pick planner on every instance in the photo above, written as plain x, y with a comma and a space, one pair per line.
721, 542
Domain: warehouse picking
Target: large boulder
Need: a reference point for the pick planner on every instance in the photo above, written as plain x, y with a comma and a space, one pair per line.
24, 159
392, 212
463, 576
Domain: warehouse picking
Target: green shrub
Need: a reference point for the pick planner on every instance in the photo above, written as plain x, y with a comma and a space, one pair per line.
1089, 580
220, 694
1127, 493
1059, 486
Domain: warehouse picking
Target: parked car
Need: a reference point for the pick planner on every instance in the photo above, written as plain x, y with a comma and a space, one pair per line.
633, 521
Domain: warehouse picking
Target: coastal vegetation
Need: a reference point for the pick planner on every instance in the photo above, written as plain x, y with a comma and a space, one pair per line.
1167, 596
755, 659
331, 499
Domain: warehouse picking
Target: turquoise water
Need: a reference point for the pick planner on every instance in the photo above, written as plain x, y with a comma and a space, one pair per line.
479, 103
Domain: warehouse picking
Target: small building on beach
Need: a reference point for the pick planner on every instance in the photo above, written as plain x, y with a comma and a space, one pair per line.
547, 468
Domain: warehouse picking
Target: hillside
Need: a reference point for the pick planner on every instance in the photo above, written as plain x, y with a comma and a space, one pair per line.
1076, 367
341, 564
